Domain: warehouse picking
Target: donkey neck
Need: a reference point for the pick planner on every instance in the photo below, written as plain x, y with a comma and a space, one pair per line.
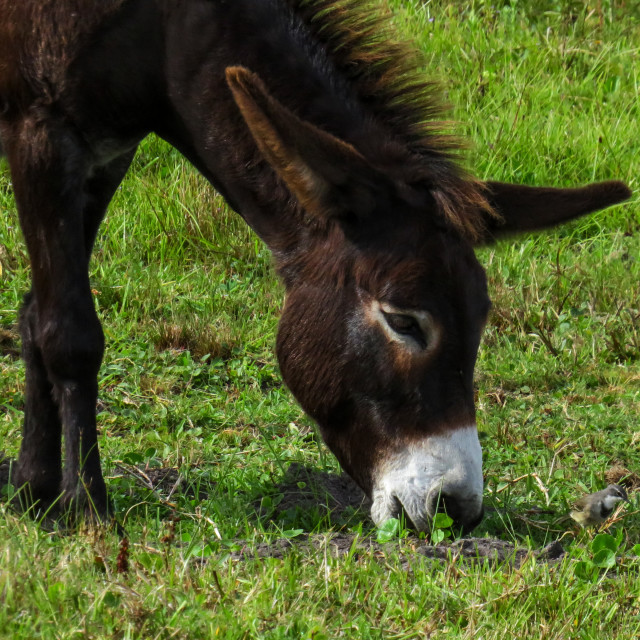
203, 38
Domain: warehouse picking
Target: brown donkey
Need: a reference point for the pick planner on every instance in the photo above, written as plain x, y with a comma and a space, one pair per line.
320, 132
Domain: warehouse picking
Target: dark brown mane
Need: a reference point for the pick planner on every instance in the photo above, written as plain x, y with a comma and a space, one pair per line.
386, 73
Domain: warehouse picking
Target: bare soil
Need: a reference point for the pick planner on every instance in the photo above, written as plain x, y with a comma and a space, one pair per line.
489, 550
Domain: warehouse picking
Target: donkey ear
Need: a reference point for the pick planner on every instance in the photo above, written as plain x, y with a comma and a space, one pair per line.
521, 208
327, 176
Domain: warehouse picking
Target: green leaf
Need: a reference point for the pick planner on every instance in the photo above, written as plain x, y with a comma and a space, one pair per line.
133, 457
388, 530
604, 541
437, 536
442, 521
150, 452
292, 533
619, 536
636, 549
200, 552
605, 559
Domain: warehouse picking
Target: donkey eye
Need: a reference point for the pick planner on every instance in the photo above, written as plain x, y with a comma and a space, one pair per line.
406, 325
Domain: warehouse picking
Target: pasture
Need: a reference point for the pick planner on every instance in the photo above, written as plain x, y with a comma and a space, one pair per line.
198, 433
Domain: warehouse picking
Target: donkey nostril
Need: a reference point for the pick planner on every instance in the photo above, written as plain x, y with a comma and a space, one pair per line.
441, 502
465, 513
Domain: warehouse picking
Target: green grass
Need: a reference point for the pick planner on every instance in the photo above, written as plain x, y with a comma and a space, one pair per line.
547, 92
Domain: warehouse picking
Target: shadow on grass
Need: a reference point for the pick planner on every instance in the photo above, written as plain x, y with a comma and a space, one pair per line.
312, 500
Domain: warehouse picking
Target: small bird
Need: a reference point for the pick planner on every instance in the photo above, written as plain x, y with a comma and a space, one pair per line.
597, 507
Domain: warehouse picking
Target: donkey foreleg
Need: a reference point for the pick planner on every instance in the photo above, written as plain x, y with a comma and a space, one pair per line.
60, 206
39, 468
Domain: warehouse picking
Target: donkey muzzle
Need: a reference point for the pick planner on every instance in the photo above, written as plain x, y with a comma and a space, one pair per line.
442, 473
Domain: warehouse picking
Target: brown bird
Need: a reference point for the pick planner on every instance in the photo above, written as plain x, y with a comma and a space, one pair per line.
597, 507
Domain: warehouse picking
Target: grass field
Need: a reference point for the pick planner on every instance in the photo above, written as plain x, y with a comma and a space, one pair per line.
547, 92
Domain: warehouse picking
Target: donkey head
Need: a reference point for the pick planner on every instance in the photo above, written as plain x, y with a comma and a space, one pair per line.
385, 307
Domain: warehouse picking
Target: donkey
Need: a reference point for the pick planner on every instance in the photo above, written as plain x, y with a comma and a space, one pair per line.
319, 130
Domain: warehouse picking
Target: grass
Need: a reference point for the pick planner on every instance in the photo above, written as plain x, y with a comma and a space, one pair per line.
547, 93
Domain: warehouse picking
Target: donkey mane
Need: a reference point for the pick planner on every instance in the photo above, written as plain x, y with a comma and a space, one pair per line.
382, 69
386, 73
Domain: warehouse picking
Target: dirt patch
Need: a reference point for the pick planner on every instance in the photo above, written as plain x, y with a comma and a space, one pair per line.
337, 545
474, 550
491, 549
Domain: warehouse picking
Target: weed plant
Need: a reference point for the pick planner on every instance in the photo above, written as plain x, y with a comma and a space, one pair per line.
547, 92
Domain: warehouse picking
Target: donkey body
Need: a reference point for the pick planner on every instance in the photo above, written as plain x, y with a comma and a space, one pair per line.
319, 133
